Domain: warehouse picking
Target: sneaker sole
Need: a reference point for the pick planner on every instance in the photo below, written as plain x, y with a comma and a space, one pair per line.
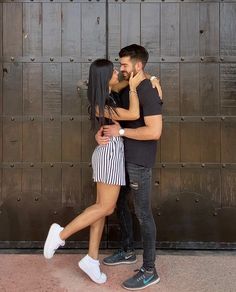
120, 263
141, 288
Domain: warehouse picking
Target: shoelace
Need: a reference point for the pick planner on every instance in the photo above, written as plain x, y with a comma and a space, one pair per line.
119, 252
140, 275
140, 270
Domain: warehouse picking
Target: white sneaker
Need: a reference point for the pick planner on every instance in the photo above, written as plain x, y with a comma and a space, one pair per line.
92, 269
53, 241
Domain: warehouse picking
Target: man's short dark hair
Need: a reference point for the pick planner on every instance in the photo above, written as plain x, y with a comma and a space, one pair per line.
135, 51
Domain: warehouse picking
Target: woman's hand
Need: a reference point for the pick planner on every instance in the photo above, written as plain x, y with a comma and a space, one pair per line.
156, 84
135, 80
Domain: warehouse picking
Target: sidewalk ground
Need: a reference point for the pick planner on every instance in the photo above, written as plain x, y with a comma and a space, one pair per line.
180, 271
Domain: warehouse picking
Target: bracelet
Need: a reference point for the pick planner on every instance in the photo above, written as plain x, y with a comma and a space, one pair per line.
134, 91
152, 78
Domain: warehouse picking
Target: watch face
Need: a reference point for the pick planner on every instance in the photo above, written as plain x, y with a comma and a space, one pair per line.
121, 132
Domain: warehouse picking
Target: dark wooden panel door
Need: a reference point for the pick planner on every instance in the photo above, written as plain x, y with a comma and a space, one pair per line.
192, 49
46, 141
45, 137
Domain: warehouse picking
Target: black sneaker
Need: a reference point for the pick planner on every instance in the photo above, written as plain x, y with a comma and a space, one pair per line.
120, 257
141, 280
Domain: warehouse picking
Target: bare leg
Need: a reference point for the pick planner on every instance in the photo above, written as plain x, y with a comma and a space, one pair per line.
106, 201
96, 230
104, 206
90, 263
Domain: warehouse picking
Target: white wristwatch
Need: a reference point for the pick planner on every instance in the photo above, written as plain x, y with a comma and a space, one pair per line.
121, 132
152, 78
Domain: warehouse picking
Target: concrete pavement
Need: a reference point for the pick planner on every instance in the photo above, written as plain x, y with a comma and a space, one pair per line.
180, 271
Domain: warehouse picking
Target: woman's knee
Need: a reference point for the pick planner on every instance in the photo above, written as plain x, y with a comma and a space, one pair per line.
110, 211
106, 210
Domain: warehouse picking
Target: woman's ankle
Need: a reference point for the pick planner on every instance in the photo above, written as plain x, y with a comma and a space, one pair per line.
93, 256
62, 235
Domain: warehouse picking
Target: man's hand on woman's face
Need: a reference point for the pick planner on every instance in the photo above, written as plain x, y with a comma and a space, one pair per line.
101, 140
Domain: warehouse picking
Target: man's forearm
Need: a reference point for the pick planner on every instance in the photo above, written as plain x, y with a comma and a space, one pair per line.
142, 133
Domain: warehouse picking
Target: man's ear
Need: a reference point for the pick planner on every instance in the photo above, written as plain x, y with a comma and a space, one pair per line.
139, 66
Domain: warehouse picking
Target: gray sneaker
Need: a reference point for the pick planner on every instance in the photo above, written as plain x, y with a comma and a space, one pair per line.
120, 257
141, 280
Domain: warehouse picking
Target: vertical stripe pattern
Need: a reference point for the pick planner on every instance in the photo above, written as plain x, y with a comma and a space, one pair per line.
108, 162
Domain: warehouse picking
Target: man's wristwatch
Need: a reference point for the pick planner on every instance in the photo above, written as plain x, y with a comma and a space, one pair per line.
121, 132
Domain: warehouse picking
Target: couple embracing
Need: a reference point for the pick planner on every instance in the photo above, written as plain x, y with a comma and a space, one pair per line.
129, 115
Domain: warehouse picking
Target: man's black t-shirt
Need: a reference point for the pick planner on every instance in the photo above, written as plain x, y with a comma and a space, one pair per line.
141, 152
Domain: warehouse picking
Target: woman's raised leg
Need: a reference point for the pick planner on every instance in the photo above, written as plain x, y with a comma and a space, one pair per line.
56, 237
105, 206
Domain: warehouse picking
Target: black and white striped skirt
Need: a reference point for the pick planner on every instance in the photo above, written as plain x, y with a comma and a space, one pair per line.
109, 163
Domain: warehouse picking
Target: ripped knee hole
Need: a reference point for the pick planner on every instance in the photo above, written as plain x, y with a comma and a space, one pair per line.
134, 185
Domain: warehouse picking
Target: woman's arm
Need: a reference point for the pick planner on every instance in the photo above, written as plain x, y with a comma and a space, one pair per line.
124, 83
119, 86
155, 83
119, 113
133, 112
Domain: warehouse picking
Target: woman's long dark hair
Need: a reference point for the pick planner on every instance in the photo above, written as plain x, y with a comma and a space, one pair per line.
100, 74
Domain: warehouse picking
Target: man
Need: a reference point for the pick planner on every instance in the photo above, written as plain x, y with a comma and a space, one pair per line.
140, 138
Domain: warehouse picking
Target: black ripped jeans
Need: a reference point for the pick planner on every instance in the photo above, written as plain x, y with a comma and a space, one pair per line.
139, 181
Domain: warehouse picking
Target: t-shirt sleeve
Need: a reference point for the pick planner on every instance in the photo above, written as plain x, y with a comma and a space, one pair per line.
150, 100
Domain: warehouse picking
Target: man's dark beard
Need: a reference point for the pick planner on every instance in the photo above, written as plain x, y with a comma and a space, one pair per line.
126, 77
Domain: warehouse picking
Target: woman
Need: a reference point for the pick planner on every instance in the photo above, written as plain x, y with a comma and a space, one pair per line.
107, 162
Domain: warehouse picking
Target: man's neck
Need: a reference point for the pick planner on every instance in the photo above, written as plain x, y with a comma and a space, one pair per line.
143, 76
